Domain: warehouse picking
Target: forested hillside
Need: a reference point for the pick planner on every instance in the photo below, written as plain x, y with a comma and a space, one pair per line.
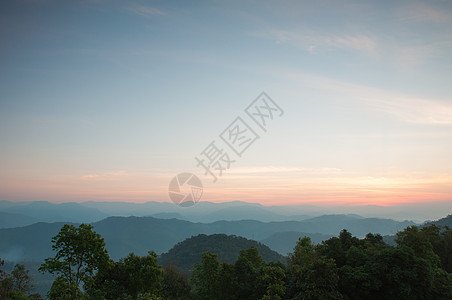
187, 253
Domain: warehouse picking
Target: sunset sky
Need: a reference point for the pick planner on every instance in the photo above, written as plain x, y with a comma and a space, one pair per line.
109, 100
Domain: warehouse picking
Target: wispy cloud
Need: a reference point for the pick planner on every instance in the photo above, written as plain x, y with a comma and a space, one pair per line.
421, 12
404, 107
280, 169
413, 110
311, 41
342, 187
402, 53
105, 175
146, 11
412, 55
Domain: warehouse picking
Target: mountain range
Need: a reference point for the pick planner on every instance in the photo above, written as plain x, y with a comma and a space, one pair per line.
14, 214
141, 234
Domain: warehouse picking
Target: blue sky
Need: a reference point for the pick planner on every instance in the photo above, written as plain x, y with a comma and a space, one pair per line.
108, 100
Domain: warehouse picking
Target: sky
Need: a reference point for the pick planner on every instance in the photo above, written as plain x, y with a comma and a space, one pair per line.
110, 100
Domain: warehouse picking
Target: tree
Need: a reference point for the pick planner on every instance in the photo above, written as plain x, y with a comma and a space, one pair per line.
370, 269
310, 275
420, 242
248, 269
205, 277
5, 282
80, 252
443, 248
143, 273
175, 285
273, 278
227, 282
439, 238
337, 247
63, 290
133, 276
16, 285
22, 283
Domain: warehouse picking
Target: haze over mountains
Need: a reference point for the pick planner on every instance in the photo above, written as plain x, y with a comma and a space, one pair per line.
26, 229
141, 234
13, 214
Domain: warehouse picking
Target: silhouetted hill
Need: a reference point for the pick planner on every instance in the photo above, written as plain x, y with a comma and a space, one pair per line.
185, 254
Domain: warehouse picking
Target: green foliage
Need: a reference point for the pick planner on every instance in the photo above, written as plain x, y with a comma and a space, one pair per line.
22, 283
342, 267
227, 282
442, 246
134, 276
144, 274
175, 285
420, 241
248, 269
80, 251
440, 240
205, 277
17, 285
373, 270
337, 247
311, 275
273, 278
63, 290
248, 278
5, 283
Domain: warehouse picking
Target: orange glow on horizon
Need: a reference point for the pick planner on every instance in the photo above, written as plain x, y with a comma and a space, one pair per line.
274, 188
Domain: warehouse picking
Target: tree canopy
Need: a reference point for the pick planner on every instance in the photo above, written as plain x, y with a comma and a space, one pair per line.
80, 252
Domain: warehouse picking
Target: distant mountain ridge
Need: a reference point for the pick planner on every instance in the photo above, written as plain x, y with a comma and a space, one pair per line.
204, 211
42, 211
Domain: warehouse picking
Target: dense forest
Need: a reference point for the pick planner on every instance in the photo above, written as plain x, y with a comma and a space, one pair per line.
419, 266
